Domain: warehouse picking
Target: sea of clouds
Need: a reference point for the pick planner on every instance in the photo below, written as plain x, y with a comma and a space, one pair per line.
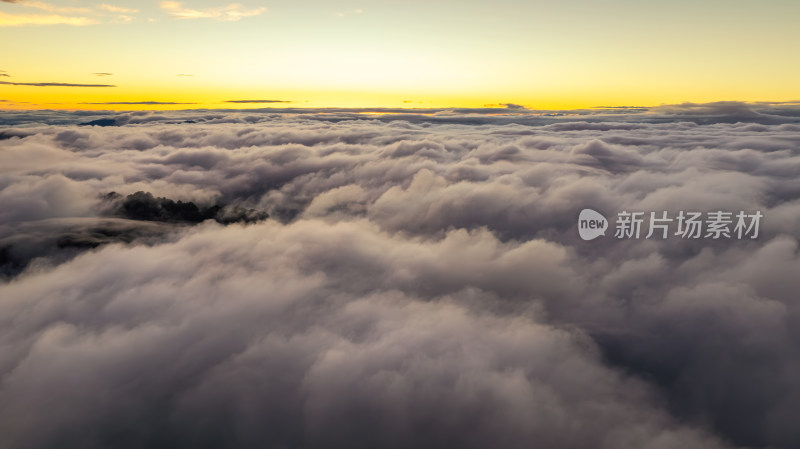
419, 283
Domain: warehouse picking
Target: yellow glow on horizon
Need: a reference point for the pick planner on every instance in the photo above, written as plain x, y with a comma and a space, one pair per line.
575, 54
96, 99
196, 96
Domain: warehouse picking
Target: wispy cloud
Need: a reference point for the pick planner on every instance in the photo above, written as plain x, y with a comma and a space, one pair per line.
355, 11
259, 101
50, 8
56, 84
117, 9
231, 13
102, 74
184, 74
59, 15
43, 19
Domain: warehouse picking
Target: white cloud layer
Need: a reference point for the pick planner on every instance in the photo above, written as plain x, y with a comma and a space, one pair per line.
420, 283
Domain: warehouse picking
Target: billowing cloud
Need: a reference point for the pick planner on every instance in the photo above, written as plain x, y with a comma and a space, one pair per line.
232, 12
419, 280
330, 364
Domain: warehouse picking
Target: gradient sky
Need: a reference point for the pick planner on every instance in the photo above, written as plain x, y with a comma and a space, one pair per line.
390, 53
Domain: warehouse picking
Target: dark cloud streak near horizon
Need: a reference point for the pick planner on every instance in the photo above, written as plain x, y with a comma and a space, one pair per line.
259, 101
56, 84
138, 102
419, 283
